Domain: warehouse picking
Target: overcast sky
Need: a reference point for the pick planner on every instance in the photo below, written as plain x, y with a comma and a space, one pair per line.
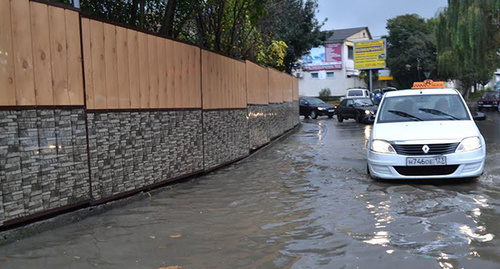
372, 13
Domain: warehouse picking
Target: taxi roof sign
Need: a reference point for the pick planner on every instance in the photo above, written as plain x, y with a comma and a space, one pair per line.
428, 84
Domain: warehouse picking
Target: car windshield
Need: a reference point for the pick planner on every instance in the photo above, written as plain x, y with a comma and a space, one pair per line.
315, 101
363, 102
422, 108
491, 95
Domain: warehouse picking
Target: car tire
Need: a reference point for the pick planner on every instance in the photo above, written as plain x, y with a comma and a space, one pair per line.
340, 118
330, 115
358, 118
313, 114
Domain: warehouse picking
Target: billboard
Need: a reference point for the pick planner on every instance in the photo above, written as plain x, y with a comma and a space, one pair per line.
370, 54
328, 57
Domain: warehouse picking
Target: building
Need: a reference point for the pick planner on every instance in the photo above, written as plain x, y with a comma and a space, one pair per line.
332, 65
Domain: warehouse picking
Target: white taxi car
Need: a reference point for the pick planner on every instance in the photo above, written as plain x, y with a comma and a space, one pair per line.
425, 133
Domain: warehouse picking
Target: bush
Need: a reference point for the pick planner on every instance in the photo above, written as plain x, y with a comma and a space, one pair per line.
325, 92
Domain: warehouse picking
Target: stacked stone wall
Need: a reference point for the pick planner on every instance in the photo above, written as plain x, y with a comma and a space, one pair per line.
226, 136
130, 150
43, 161
258, 125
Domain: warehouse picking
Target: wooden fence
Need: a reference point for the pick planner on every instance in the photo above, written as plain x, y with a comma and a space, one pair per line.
41, 50
40, 55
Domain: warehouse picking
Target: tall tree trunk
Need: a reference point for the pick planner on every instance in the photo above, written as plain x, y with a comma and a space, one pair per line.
133, 13
141, 15
167, 26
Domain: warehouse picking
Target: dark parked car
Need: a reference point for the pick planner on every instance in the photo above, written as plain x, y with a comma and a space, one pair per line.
361, 109
489, 100
314, 107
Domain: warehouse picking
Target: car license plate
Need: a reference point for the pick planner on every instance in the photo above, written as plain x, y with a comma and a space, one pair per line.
410, 161
331, 110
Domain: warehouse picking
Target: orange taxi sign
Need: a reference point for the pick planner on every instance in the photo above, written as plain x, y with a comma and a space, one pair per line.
428, 84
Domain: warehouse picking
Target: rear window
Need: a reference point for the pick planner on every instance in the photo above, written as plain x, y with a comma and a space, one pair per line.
355, 93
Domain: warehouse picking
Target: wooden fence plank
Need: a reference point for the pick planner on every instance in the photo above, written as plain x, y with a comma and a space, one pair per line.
178, 92
257, 84
123, 67
133, 64
59, 55
75, 76
295, 89
194, 75
162, 73
7, 81
98, 65
111, 63
144, 70
153, 71
169, 54
275, 90
87, 58
23, 52
44, 92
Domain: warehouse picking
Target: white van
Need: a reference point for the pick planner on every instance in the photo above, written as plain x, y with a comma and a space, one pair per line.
357, 93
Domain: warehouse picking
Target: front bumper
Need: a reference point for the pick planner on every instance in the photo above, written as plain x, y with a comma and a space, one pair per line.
326, 112
469, 164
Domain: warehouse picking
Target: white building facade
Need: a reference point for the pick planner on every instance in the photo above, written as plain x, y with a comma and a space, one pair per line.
332, 66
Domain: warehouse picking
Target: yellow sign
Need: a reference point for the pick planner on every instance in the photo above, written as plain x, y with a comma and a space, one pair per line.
428, 84
370, 54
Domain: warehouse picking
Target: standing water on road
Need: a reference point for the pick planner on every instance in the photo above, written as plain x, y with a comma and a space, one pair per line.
303, 202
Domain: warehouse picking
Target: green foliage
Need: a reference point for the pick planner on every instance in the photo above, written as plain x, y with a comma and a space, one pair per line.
272, 32
274, 54
468, 41
410, 49
294, 22
325, 92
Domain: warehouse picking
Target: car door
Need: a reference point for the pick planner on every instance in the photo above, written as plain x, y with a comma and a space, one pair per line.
350, 110
305, 109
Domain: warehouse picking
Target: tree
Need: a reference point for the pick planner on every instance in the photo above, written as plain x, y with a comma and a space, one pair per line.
293, 22
271, 32
468, 41
410, 49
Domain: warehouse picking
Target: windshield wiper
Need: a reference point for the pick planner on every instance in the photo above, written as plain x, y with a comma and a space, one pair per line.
404, 115
437, 112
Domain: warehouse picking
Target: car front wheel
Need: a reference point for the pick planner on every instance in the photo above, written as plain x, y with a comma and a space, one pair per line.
313, 114
340, 118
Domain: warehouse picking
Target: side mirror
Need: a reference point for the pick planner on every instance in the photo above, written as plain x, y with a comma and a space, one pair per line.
478, 116
351, 105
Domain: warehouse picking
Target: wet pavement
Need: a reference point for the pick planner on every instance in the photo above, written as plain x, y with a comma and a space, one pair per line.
302, 202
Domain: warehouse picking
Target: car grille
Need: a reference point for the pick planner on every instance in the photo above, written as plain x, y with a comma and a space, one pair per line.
434, 149
438, 170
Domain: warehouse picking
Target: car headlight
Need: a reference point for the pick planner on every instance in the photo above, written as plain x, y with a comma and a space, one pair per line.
321, 108
368, 112
381, 146
480, 103
469, 144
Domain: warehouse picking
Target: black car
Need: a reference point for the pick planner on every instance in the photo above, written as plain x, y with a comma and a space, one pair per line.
314, 107
361, 109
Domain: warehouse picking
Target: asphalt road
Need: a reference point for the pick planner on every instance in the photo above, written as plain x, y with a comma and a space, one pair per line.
302, 202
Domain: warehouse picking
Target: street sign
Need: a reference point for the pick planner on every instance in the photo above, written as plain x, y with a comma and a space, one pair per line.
370, 54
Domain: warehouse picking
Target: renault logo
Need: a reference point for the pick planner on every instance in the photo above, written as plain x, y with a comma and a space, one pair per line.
425, 149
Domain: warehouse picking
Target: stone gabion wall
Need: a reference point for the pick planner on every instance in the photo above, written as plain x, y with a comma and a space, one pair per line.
43, 161
258, 125
295, 113
276, 120
130, 150
226, 136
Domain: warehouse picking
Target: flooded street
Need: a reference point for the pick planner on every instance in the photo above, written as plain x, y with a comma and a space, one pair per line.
302, 202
